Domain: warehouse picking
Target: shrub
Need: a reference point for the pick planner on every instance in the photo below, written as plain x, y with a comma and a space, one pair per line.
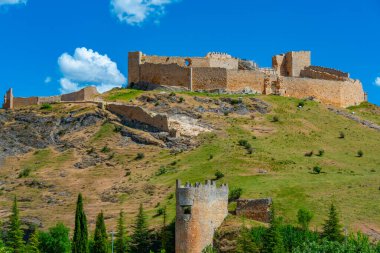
160, 211
301, 103
235, 101
250, 150
140, 156
117, 129
25, 172
309, 154
105, 149
275, 119
321, 152
317, 169
181, 99
225, 113
218, 175
304, 217
46, 107
161, 171
235, 194
341, 135
360, 153
210, 157
243, 143
172, 94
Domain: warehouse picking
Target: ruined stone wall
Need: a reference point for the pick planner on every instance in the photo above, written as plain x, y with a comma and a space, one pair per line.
337, 93
8, 100
279, 64
200, 210
84, 94
21, 102
324, 73
165, 74
49, 100
209, 78
136, 113
237, 80
291, 63
228, 63
255, 209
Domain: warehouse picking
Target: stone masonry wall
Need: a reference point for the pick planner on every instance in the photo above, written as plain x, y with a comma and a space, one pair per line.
165, 74
134, 61
136, 113
237, 80
209, 78
255, 209
200, 210
49, 100
297, 61
324, 73
337, 93
84, 94
21, 102
8, 100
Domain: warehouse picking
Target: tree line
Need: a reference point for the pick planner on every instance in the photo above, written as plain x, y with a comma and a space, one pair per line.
57, 240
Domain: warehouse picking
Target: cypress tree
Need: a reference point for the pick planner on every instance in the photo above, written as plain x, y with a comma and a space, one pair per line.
140, 237
15, 234
100, 236
332, 230
121, 242
34, 242
80, 239
273, 242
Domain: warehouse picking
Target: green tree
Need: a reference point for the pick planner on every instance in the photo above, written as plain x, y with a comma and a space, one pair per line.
332, 230
34, 243
56, 240
80, 239
304, 217
140, 237
245, 244
273, 242
100, 236
15, 234
121, 242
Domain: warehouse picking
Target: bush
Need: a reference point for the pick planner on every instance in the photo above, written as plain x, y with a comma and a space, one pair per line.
275, 119
301, 103
161, 171
246, 145
304, 217
117, 129
360, 153
317, 169
341, 135
25, 172
140, 156
235, 194
225, 113
218, 175
321, 152
46, 107
181, 99
243, 143
56, 240
210, 157
105, 149
160, 211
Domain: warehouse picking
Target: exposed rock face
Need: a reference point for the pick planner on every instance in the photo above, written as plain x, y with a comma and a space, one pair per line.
256, 209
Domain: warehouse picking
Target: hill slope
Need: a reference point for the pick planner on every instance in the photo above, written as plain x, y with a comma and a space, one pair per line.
97, 159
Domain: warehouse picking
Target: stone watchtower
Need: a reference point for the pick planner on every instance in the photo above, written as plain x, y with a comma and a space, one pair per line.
201, 209
8, 100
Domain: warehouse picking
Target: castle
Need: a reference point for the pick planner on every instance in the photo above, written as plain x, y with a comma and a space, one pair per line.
200, 210
291, 75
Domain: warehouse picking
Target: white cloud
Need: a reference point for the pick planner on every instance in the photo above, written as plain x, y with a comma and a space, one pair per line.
377, 81
12, 2
135, 12
87, 67
48, 79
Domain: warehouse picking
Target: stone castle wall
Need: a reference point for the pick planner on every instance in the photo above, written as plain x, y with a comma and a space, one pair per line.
324, 73
200, 210
85, 94
238, 80
136, 113
8, 100
165, 74
291, 63
209, 78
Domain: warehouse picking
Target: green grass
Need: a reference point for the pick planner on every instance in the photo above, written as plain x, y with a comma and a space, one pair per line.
367, 111
105, 131
348, 181
122, 95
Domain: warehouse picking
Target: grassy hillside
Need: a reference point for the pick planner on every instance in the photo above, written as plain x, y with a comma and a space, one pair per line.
277, 167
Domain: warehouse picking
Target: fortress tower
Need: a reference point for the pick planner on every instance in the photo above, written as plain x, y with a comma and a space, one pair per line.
201, 209
8, 99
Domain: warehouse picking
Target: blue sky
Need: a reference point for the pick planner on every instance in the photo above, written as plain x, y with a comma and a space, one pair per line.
51, 46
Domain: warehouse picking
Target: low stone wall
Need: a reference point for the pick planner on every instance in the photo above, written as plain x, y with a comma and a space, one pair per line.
209, 78
237, 80
136, 113
324, 73
49, 100
337, 93
84, 94
255, 209
165, 74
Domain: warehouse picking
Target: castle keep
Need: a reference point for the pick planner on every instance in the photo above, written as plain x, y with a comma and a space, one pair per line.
291, 75
200, 210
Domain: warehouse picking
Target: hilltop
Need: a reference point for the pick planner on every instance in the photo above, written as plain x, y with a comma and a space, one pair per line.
51, 153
